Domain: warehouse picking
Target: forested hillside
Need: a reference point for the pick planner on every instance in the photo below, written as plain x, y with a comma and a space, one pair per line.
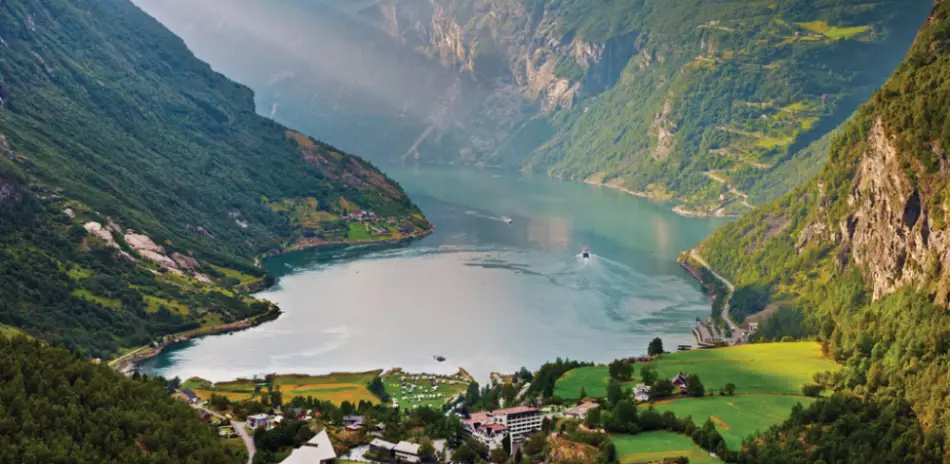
715, 103
137, 186
858, 256
56, 407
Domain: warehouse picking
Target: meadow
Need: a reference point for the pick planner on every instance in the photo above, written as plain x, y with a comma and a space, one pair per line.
336, 387
737, 417
656, 446
399, 384
776, 368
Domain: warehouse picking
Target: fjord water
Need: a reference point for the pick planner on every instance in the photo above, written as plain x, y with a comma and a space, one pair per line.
485, 294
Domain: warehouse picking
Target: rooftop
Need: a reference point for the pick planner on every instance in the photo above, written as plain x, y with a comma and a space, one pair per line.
407, 448
380, 443
318, 449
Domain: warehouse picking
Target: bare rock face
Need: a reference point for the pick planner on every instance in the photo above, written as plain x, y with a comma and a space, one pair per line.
140, 243
664, 131
889, 230
95, 229
185, 262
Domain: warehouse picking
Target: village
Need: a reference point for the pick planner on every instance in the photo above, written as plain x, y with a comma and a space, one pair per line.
362, 432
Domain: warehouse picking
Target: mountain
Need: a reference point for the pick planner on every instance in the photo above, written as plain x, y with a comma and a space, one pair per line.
138, 186
858, 256
714, 103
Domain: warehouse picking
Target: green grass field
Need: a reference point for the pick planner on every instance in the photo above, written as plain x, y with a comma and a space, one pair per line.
593, 379
737, 417
758, 368
655, 446
833, 32
358, 232
780, 368
8, 331
337, 387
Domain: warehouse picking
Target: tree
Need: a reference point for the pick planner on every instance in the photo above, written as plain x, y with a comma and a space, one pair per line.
593, 419
465, 454
525, 374
656, 347
536, 445
694, 387
426, 449
662, 388
583, 393
620, 369
498, 455
730, 389
508, 393
472, 394
614, 392
648, 374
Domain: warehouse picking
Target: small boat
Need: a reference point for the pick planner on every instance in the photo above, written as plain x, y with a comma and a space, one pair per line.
507, 219
585, 252
439, 358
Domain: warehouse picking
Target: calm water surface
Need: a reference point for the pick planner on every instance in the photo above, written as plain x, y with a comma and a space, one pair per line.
487, 295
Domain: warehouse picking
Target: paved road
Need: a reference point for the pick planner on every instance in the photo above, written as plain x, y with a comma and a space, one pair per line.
248, 440
736, 331
239, 429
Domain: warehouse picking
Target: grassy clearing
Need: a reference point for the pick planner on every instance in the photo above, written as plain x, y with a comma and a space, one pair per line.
240, 276
88, 296
153, 304
737, 417
358, 232
757, 368
593, 379
833, 32
336, 387
656, 446
774, 368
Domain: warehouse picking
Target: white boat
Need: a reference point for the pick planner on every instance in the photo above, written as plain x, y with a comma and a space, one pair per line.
585, 252
507, 219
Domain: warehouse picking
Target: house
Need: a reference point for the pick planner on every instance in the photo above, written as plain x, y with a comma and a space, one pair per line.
679, 381
353, 423
189, 396
407, 452
259, 421
318, 450
580, 411
641, 393
205, 415
492, 427
382, 448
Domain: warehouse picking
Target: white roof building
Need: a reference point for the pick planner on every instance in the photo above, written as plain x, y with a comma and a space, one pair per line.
407, 452
317, 450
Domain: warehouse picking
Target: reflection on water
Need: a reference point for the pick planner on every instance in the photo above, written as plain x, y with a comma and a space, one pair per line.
486, 294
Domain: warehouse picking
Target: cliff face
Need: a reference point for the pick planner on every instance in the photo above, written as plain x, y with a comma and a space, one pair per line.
879, 206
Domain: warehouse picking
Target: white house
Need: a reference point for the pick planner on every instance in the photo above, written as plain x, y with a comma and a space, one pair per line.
407, 452
641, 393
318, 450
259, 420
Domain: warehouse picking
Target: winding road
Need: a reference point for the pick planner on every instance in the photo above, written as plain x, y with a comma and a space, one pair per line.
737, 333
239, 429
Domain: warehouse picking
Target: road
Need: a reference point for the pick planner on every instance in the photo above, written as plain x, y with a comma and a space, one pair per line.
737, 333
239, 429
248, 440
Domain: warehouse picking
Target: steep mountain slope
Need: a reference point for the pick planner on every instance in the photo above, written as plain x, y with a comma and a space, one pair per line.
137, 186
693, 99
860, 253
58, 408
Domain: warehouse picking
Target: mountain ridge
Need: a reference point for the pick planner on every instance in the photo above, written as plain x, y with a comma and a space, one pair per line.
138, 186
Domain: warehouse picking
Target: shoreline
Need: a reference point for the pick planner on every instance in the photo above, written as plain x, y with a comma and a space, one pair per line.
311, 246
679, 209
130, 361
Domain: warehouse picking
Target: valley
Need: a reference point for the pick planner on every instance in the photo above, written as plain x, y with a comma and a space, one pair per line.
541, 271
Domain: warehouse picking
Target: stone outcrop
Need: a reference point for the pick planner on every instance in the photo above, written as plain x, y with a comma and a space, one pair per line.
889, 229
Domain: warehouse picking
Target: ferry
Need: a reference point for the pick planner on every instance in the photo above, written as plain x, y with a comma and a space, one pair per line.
585, 252
507, 219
